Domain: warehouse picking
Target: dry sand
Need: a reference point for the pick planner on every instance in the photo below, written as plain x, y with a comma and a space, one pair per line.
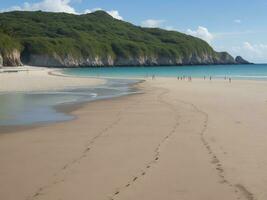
37, 78
200, 140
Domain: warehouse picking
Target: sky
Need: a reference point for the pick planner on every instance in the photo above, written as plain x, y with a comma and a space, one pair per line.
236, 26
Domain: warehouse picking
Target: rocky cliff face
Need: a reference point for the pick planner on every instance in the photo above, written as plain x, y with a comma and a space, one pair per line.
13, 59
241, 60
68, 61
152, 60
1, 60
10, 59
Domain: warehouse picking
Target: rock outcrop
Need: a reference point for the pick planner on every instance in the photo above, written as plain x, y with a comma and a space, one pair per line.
240, 60
11, 58
1, 60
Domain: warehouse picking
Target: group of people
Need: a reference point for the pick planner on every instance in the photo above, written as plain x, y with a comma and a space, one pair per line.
189, 78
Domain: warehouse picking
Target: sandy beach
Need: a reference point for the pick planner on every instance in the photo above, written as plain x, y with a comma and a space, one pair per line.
199, 140
26, 78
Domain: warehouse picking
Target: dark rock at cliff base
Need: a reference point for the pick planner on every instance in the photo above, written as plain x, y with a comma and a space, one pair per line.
1, 60
240, 60
10, 59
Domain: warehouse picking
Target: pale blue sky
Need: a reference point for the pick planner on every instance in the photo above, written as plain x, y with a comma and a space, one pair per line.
236, 26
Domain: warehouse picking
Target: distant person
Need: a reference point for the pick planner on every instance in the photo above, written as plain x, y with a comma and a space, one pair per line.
204, 78
230, 80
210, 78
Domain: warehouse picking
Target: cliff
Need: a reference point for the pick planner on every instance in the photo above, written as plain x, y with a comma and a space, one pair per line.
10, 51
70, 61
241, 60
96, 39
1, 60
10, 59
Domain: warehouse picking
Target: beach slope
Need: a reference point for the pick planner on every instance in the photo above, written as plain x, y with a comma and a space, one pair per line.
183, 140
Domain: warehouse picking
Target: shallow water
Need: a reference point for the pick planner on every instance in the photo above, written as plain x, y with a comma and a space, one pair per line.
257, 71
27, 108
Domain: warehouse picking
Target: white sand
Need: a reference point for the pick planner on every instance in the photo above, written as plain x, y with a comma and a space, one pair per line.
37, 78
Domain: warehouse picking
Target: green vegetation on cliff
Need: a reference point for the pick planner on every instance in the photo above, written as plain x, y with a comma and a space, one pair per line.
8, 44
95, 34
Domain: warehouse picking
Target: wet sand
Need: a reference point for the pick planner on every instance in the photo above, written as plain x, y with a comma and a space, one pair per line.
182, 140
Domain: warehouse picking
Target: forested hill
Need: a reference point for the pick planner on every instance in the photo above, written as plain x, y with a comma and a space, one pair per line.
96, 39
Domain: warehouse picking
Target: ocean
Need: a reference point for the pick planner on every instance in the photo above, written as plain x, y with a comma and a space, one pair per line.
255, 72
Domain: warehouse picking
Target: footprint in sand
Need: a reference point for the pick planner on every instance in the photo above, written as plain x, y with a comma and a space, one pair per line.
215, 160
135, 178
220, 169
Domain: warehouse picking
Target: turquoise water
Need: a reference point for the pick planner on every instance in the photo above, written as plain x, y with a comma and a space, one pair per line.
258, 72
27, 108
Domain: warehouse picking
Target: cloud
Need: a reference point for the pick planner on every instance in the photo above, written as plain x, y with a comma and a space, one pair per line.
152, 23
249, 47
201, 32
238, 21
58, 6
91, 10
252, 52
114, 13
46, 5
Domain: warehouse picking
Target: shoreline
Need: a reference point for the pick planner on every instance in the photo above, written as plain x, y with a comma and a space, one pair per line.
70, 108
65, 108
